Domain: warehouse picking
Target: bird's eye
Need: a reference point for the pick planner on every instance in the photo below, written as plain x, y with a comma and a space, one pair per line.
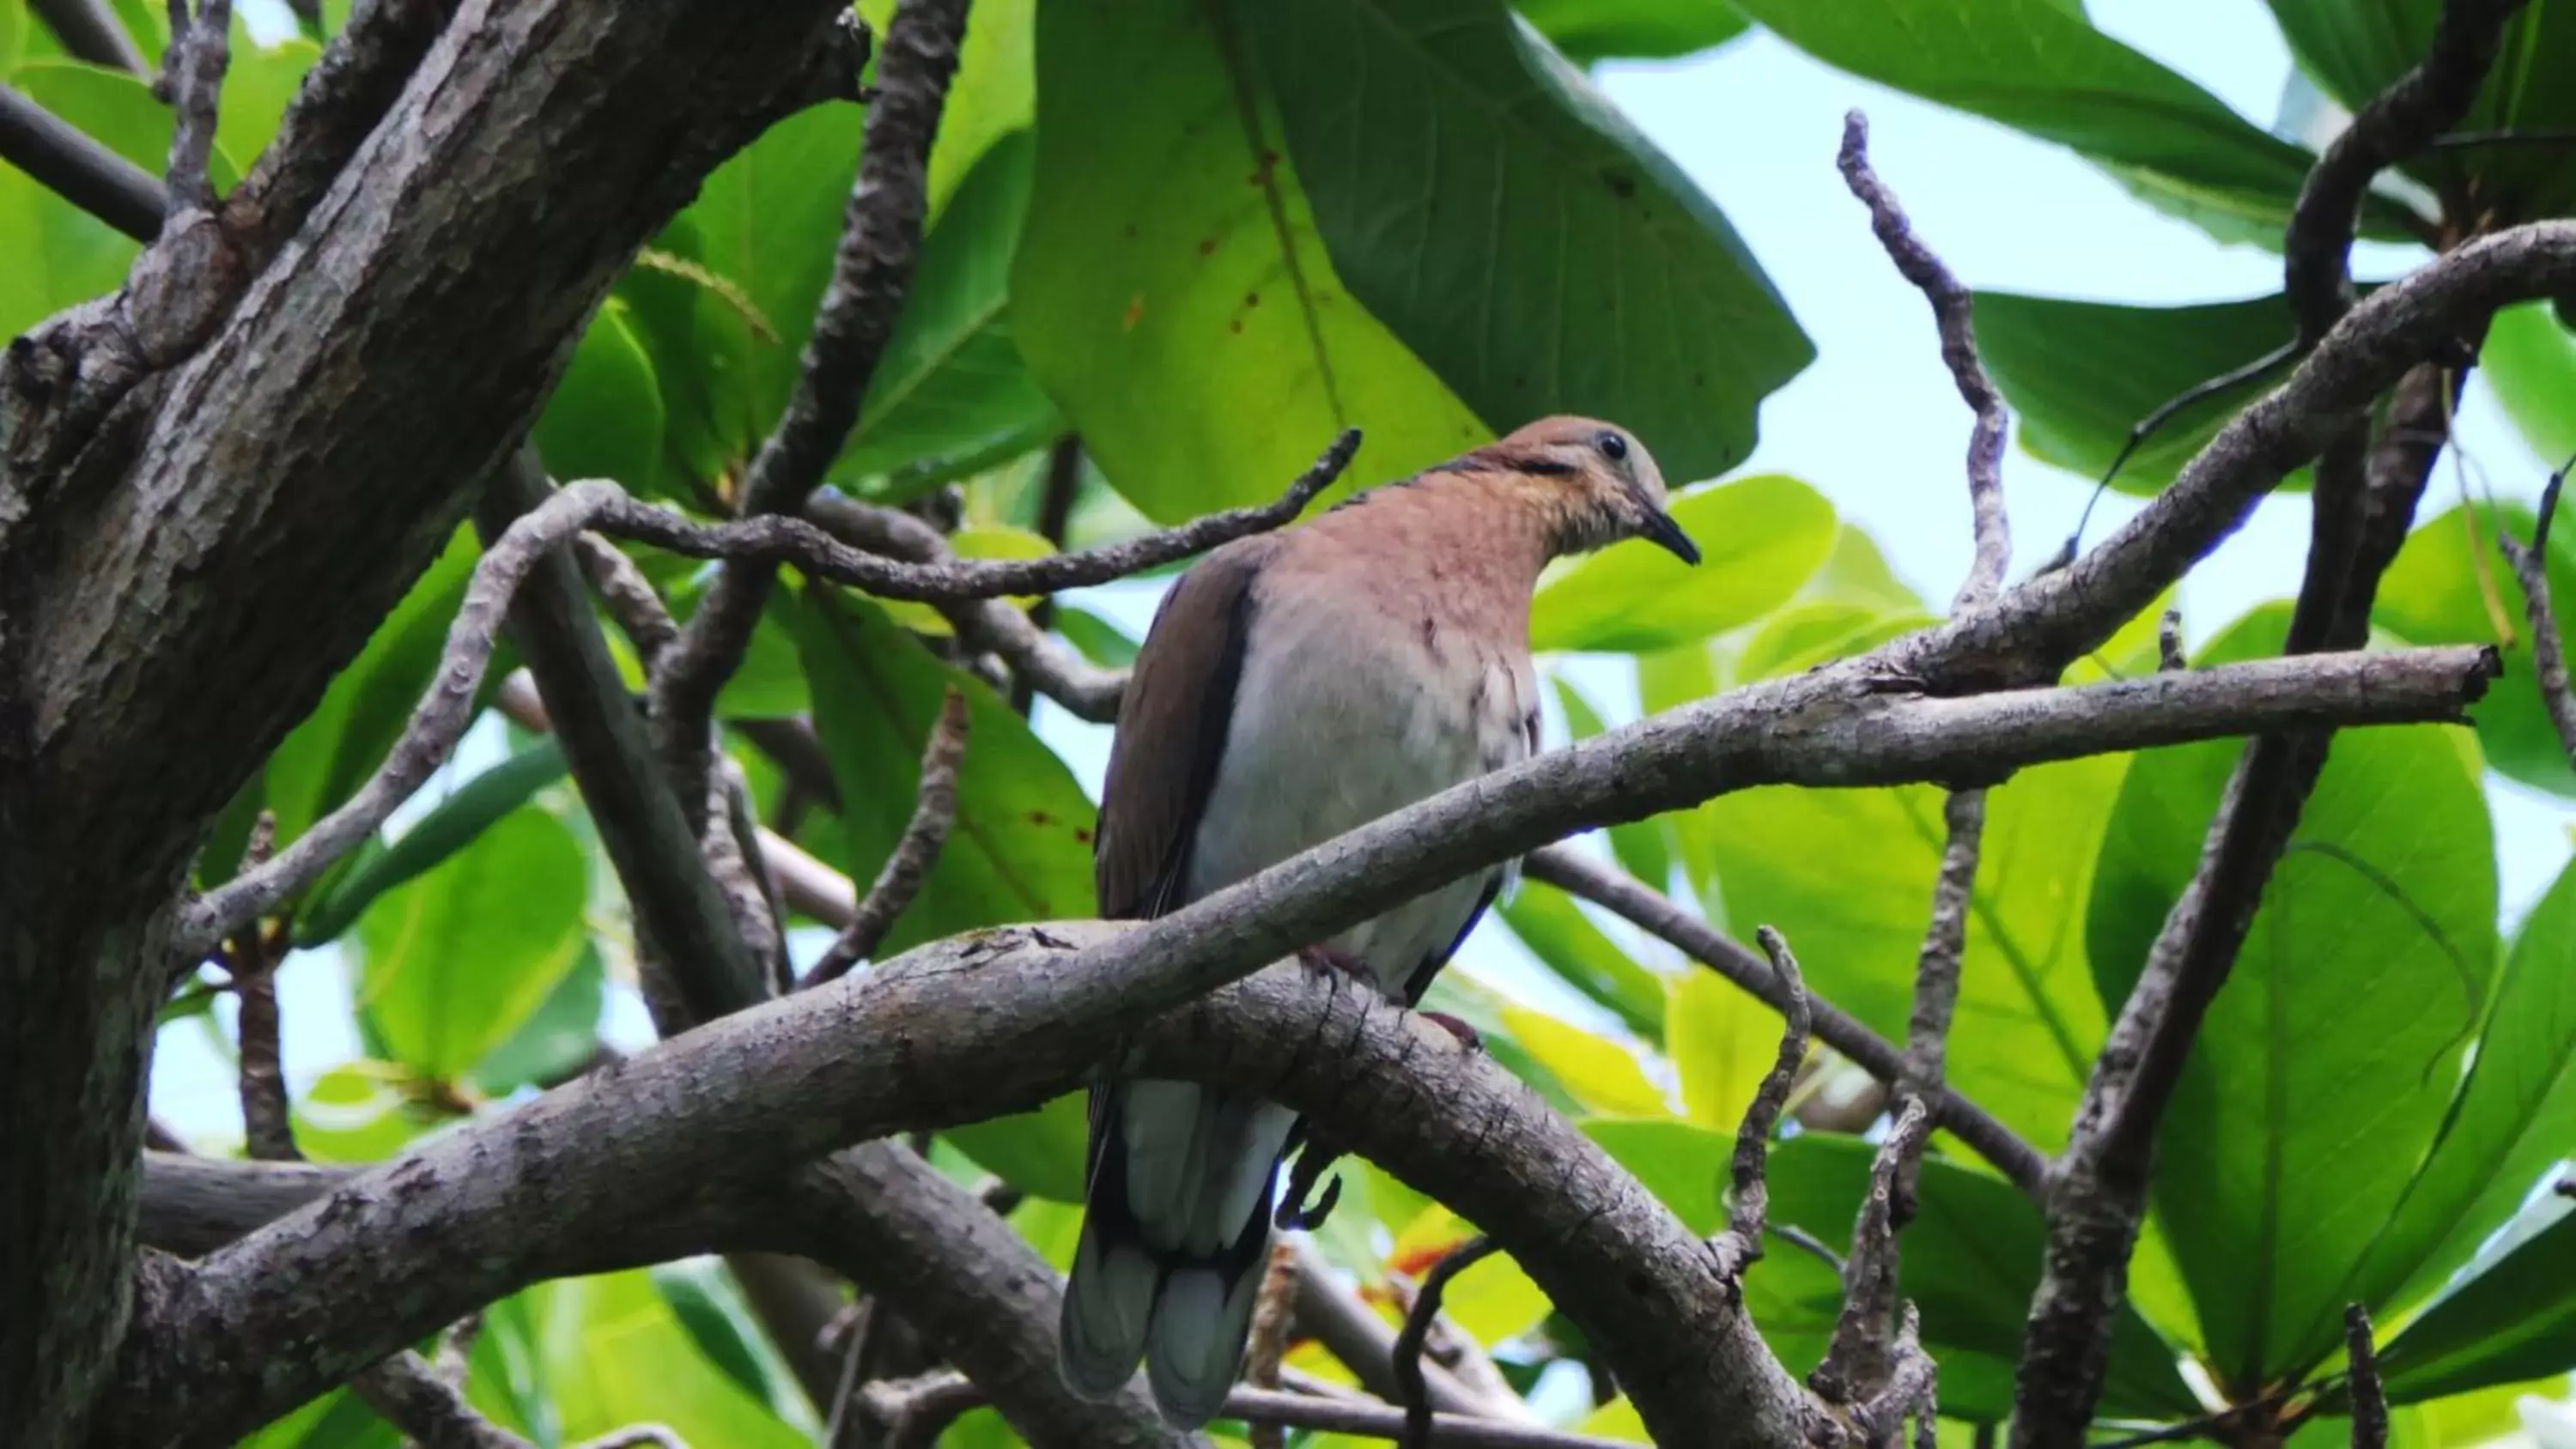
1612, 446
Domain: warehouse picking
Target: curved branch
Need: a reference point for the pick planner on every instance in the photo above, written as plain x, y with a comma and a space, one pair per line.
997, 1021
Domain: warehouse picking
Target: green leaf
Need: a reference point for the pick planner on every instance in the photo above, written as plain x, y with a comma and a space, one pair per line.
1644, 847
2040, 67
766, 223
2513, 1121
259, 82
1556, 931
2450, 585
337, 1420
993, 95
2530, 361
1759, 539
59, 255
1971, 1263
1020, 849
1170, 291
616, 1355
1723, 1040
1683, 1164
1041, 1153
2080, 375
2028, 1020
2356, 48
2514, 1319
2368, 962
1100, 641
1525, 239
604, 419
951, 384
1591, 30
1602, 1074
356, 1112
450, 826
460, 957
332, 752
557, 1039
714, 1318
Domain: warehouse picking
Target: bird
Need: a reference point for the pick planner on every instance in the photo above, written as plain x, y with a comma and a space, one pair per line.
1294, 686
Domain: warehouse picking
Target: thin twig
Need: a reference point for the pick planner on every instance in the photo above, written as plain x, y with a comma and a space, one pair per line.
2169, 652
1936, 968
732, 853
953, 1394
1751, 1210
2159, 415
986, 626
409, 1394
198, 56
90, 31
268, 1129
1859, 1362
1272, 1313
2369, 1401
640, 613
63, 159
1416, 1334
1658, 915
2548, 654
1808, 1243
1334, 1315
872, 272
1953, 311
443, 713
2397, 123
934, 810
916, 1411
1910, 1385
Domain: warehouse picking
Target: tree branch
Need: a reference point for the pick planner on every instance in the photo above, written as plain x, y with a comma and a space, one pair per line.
2399, 122
2530, 566
198, 56
1656, 914
2369, 1400
871, 275
761, 1090
64, 160
933, 811
90, 31
1415, 1336
1748, 1217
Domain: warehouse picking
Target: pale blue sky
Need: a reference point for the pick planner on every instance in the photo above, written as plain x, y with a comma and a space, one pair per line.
1874, 423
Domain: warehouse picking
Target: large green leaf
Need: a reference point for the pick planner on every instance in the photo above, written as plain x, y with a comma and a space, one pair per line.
58, 255
2514, 1120
764, 225
1523, 238
259, 83
557, 1039
1643, 846
1040, 1153
1020, 849
2039, 66
1590, 30
2530, 361
2080, 375
1759, 538
604, 418
2450, 585
2321, 1075
1847, 876
1970, 1261
451, 825
617, 1355
951, 384
1723, 1041
1547, 921
2515, 1319
1601, 1074
1170, 290
460, 957
324, 759
2356, 48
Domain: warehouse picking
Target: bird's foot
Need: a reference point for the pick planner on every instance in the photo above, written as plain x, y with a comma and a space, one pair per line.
1294, 1214
1330, 959
1468, 1036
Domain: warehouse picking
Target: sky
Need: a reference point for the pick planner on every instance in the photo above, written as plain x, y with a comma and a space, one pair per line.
1874, 423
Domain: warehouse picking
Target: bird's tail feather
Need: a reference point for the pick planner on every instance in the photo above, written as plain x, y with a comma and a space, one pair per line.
1175, 1232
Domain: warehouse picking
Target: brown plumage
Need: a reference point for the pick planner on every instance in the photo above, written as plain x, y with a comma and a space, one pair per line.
1294, 687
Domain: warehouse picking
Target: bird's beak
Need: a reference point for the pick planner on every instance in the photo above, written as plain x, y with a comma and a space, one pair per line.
1667, 535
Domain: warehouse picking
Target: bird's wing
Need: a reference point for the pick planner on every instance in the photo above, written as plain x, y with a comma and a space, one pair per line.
1172, 723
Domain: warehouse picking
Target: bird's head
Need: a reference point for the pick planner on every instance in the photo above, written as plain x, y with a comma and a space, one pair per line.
1592, 482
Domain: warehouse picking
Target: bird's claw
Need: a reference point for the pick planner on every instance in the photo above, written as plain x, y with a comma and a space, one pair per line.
1467, 1036
1330, 959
